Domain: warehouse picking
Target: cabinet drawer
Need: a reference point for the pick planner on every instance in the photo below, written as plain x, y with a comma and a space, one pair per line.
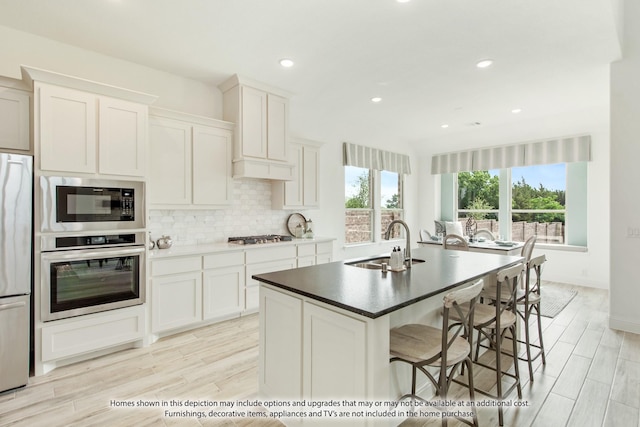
271, 254
223, 260
324, 248
175, 265
92, 332
306, 250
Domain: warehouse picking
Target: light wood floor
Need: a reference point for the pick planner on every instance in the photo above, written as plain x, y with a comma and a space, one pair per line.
592, 378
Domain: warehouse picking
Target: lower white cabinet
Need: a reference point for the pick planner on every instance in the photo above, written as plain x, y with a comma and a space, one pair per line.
280, 345
312, 352
77, 335
187, 290
223, 287
176, 301
253, 287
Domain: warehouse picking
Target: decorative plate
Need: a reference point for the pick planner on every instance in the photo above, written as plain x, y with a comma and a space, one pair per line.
294, 220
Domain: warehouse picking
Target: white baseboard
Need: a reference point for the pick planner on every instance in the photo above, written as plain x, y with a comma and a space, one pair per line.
624, 325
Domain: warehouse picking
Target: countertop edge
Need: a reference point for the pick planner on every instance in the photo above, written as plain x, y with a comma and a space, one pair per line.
187, 250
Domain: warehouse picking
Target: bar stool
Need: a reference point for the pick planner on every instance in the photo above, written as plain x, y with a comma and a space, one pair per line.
493, 322
526, 305
527, 249
455, 241
448, 348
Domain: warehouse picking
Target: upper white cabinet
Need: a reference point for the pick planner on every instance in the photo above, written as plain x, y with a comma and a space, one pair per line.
67, 129
304, 190
14, 119
87, 127
122, 137
261, 114
190, 161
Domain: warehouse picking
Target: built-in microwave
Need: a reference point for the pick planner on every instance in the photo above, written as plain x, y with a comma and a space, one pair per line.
78, 204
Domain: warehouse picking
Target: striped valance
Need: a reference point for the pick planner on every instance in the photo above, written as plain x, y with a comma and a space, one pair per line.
373, 158
559, 150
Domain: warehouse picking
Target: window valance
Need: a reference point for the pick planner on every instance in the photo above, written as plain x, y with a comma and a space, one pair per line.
559, 150
373, 158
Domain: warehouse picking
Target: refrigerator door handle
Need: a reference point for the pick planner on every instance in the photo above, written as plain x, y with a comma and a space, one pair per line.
12, 305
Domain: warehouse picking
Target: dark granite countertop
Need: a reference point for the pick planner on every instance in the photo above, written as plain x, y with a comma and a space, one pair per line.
373, 294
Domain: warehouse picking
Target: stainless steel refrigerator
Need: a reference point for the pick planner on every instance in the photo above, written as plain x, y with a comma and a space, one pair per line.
16, 212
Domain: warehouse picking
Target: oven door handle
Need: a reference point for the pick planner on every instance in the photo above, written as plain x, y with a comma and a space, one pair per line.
92, 254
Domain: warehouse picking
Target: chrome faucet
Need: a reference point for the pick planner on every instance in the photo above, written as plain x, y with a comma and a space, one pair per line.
387, 233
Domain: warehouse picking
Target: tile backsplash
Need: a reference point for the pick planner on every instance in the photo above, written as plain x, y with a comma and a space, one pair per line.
250, 213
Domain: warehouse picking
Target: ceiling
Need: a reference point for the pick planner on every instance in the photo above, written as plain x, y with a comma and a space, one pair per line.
549, 56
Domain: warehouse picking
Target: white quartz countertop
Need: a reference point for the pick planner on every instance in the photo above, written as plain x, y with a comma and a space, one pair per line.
186, 250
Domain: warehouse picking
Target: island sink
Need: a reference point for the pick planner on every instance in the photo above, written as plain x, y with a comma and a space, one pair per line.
376, 263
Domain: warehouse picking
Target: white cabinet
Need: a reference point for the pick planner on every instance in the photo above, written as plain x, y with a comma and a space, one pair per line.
188, 290
304, 190
306, 255
334, 347
122, 137
223, 285
261, 114
169, 180
324, 252
280, 363
14, 119
265, 261
83, 132
190, 162
66, 129
176, 293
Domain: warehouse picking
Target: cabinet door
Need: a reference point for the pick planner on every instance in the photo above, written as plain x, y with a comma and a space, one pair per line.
176, 301
122, 137
222, 292
169, 162
293, 196
254, 123
252, 286
212, 167
334, 349
14, 119
280, 363
67, 129
310, 170
277, 124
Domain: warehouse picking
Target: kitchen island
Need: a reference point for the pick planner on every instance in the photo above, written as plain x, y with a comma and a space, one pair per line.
324, 329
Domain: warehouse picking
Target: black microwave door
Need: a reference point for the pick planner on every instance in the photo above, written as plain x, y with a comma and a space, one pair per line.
90, 204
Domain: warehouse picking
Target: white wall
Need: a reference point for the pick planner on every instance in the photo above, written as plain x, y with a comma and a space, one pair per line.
625, 175
174, 92
589, 268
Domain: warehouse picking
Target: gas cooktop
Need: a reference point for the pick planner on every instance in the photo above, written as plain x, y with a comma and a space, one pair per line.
265, 238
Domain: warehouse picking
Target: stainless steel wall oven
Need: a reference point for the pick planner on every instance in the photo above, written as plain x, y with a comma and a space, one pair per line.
92, 273
79, 204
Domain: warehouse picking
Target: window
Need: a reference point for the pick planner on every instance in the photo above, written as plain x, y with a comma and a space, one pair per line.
372, 197
391, 201
534, 204
358, 204
479, 197
538, 203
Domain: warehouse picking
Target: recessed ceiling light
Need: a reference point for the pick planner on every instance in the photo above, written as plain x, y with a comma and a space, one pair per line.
444, 126
286, 62
516, 110
484, 63
403, 1
376, 99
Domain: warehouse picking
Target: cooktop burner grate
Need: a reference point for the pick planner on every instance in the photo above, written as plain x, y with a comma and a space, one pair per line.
265, 238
